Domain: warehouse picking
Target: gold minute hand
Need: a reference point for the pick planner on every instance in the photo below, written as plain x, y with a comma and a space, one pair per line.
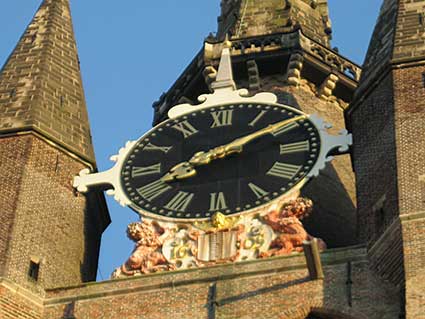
187, 169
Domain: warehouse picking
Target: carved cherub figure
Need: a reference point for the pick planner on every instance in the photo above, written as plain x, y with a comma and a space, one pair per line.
146, 256
286, 221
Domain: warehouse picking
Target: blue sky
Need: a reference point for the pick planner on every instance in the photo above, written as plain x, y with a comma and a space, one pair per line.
132, 51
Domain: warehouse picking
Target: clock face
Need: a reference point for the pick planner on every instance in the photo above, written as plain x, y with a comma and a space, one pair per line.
267, 167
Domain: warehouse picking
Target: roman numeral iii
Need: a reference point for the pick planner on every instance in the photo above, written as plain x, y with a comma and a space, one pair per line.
303, 146
186, 128
217, 202
284, 170
222, 118
142, 171
153, 190
180, 202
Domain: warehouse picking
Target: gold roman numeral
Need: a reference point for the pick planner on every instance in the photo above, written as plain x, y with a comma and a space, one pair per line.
286, 128
153, 190
180, 202
222, 118
152, 147
142, 171
258, 192
284, 170
303, 146
186, 128
217, 202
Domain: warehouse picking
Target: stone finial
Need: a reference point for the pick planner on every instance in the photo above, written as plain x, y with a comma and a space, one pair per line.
224, 79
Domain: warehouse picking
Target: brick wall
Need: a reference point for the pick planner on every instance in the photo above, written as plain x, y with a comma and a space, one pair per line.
13, 156
50, 222
13, 305
271, 288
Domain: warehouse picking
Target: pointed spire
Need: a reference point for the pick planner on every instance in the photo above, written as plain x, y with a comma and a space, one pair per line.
248, 18
399, 37
224, 79
40, 84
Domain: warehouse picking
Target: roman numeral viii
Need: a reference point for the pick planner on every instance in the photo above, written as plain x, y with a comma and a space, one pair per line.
222, 118
303, 146
180, 202
153, 190
186, 128
217, 202
142, 171
283, 170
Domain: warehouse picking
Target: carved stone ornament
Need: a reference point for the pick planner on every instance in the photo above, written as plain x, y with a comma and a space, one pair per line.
274, 231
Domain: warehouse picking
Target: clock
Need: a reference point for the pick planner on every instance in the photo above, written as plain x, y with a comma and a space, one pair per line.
230, 159
231, 154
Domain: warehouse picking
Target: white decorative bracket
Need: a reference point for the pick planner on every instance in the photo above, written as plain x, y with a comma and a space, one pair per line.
329, 142
109, 179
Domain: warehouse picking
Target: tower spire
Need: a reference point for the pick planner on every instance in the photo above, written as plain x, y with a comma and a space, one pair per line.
44, 142
40, 84
397, 38
387, 119
247, 18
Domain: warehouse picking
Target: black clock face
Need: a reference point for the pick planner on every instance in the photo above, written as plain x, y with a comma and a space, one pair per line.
267, 167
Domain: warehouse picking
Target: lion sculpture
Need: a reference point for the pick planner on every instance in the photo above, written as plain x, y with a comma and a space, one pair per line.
146, 256
286, 222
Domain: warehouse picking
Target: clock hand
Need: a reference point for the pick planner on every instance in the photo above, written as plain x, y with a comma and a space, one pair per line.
187, 169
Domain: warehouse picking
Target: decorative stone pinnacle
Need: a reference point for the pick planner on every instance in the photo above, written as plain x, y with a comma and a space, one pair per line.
224, 78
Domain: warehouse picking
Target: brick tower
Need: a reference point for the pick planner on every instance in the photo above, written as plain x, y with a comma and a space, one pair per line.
49, 235
283, 47
387, 119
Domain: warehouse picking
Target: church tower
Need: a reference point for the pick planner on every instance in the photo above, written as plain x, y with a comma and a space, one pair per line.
387, 119
49, 235
284, 47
